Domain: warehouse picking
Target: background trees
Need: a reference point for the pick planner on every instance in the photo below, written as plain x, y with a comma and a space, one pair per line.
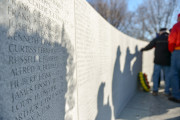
152, 15
144, 22
115, 12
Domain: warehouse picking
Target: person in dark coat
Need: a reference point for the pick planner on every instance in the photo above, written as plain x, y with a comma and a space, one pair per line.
161, 60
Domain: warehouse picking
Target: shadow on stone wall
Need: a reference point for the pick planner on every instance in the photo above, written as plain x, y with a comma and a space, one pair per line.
104, 111
116, 83
124, 83
36, 67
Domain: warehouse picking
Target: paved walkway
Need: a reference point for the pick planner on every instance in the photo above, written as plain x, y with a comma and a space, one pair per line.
144, 106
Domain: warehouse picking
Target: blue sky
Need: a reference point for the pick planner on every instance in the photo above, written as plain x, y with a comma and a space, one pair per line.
132, 4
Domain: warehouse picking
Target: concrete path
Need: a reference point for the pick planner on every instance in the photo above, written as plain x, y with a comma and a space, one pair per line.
144, 106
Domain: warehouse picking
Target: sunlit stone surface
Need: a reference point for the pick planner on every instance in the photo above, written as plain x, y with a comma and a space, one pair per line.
60, 59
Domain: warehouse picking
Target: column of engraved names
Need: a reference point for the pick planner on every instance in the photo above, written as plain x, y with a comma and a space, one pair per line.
34, 65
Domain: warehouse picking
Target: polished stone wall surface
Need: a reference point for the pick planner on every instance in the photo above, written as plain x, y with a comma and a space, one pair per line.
37, 66
60, 59
108, 63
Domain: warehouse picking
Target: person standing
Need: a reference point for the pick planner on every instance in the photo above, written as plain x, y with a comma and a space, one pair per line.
161, 60
174, 48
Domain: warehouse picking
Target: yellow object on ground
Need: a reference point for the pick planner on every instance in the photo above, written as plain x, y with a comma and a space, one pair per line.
144, 82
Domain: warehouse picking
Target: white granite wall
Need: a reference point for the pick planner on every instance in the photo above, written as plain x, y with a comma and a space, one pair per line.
108, 62
37, 64
60, 59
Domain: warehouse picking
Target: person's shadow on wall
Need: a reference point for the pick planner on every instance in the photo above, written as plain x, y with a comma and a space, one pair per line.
137, 66
123, 82
117, 81
104, 111
131, 70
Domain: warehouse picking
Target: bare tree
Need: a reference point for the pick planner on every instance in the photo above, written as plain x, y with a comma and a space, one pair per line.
144, 22
117, 12
152, 15
101, 7
114, 11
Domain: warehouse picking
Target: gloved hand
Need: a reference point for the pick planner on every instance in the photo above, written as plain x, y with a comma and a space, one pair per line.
142, 50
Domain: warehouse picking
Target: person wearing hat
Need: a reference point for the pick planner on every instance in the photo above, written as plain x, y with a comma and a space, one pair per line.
161, 60
174, 48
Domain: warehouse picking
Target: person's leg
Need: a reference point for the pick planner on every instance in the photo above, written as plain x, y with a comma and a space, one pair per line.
166, 71
159, 82
175, 71
156, 75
